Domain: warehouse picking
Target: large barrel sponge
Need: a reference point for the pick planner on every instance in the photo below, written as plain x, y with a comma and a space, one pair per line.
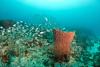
62, 44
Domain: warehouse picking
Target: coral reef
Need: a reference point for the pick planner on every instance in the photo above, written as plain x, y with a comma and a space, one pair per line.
25, 45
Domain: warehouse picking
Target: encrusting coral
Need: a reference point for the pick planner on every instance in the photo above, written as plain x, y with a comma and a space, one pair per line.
62, 44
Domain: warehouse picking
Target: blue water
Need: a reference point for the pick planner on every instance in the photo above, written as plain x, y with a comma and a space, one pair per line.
83, 16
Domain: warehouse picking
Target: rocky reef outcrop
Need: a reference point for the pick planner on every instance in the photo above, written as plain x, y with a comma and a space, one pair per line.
7, 23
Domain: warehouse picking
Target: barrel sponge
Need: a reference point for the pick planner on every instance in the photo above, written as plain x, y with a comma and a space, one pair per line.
62, 41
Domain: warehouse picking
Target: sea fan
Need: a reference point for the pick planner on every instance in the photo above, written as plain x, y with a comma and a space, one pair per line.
62, 44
